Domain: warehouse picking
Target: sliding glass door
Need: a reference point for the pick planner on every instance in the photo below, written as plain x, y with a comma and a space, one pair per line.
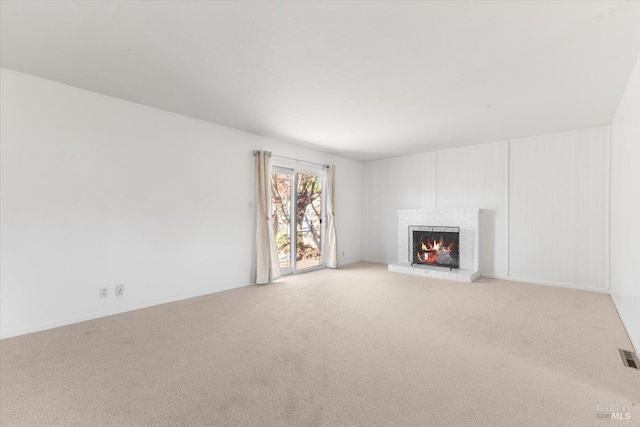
308, 199
297, 203
281, 195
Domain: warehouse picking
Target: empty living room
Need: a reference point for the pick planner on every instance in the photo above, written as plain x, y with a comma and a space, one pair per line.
320, 213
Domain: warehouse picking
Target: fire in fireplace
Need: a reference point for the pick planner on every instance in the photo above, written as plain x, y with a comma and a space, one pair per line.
435, 245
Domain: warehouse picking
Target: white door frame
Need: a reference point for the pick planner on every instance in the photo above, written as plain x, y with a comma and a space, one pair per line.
293, 172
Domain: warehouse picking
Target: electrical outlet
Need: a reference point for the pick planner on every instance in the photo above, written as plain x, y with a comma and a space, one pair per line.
119, 290
104, 292
342, 254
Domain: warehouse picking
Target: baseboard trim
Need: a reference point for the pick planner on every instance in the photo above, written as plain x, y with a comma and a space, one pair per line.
194, 294
106, 313
546, 283
78, 319
522, 280
374, 261
347, 262
636, 346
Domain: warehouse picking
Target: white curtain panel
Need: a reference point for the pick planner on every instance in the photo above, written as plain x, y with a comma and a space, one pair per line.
267, 267
330, 245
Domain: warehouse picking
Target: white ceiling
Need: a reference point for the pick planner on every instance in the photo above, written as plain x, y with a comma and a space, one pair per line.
366, 80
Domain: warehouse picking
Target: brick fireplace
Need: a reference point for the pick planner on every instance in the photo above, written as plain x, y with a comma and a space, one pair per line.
437, 253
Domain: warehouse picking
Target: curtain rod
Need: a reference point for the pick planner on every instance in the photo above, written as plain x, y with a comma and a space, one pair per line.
295, 160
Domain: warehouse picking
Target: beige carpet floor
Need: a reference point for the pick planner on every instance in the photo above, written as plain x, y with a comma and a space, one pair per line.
353, 347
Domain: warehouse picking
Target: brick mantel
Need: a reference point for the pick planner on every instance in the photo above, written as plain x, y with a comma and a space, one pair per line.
469, 222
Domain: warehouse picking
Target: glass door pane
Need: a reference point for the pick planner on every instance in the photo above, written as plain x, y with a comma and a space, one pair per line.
308, 202
281, 182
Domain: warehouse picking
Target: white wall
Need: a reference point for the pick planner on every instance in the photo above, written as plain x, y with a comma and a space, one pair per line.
97, 191
558, 202
625, 207
528, 188
471, 177
389, 185
475, 177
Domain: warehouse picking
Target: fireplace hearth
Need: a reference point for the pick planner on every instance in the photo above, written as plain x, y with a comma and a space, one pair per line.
441, 259
435, 245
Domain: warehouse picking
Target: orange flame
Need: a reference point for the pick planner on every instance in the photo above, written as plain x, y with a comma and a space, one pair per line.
431, 249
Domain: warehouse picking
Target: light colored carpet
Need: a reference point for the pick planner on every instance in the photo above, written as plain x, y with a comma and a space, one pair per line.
356, 346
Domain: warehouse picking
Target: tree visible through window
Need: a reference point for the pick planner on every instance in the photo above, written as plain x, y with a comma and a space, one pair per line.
308, 218
281, 205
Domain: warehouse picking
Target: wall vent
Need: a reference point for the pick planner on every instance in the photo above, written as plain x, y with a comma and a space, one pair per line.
629, 358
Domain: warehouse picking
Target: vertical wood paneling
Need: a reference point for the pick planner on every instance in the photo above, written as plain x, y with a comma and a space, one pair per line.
390, 185
409, 184
476, 177
558, 200
625, 207
544, 201
372, 196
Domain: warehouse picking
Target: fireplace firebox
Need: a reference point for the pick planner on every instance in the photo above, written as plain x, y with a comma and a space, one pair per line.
435, 245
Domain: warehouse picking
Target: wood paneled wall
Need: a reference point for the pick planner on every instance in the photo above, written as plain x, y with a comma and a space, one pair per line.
544, 202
